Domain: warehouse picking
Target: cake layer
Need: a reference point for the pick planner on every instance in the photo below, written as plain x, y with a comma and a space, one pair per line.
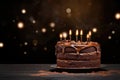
78, 64
82, 56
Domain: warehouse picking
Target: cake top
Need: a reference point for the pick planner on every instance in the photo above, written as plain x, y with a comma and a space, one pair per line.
77, 47
78, 43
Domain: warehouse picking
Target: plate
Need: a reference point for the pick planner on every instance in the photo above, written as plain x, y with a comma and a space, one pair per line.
55, 66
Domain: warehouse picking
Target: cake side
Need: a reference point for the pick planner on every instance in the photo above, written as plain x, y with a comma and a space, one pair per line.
72, 54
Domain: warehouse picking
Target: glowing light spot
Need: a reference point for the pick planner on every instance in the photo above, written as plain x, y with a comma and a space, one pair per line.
113, 32
33, 21
52, 24
1, 44
21, 44
25, 43
45, 48
64, 34
109, 37
68, 10
20, 25
13, 20
117, 15
43, 30
53, 30
94, 29
36, 31
35, 42
25, 52
23, 11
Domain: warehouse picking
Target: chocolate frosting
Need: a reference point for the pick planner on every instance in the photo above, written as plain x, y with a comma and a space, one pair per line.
77, 47
88, 49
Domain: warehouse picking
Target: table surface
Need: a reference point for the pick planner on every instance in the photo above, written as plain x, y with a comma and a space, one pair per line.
48, 72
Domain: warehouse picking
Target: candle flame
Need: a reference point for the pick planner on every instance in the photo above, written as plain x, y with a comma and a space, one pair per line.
64, 35
77, 32
70, 32
61, 35
87, 36
81, 32
90, 33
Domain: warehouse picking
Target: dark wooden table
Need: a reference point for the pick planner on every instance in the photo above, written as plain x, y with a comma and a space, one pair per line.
48, 72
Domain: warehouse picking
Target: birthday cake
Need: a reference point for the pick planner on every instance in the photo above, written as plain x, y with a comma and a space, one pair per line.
77, 54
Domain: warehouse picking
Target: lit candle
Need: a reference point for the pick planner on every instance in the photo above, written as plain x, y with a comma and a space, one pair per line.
70, 33
81, 33
64, 35
61, 36
87, 37
90, 33
77, 35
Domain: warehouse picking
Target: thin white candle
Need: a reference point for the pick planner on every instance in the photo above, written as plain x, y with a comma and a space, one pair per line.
90, 33
81, 33
61, 36
70, 33
77, 32
87, 37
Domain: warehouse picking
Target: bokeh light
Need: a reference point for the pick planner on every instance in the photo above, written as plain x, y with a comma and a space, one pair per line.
23, 11
25, 52
13, 20
94, 29
52, 24
109, 37
20, 25
43, 30
45, 48
117, 15
36, 31
113, 32
68, 10
1, 44
33, 21
53, 30
25, 43
35, 42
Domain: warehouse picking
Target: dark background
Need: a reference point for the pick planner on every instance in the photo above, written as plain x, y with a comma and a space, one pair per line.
31, 45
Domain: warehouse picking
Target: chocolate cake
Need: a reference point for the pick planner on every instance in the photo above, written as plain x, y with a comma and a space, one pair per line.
71, 54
